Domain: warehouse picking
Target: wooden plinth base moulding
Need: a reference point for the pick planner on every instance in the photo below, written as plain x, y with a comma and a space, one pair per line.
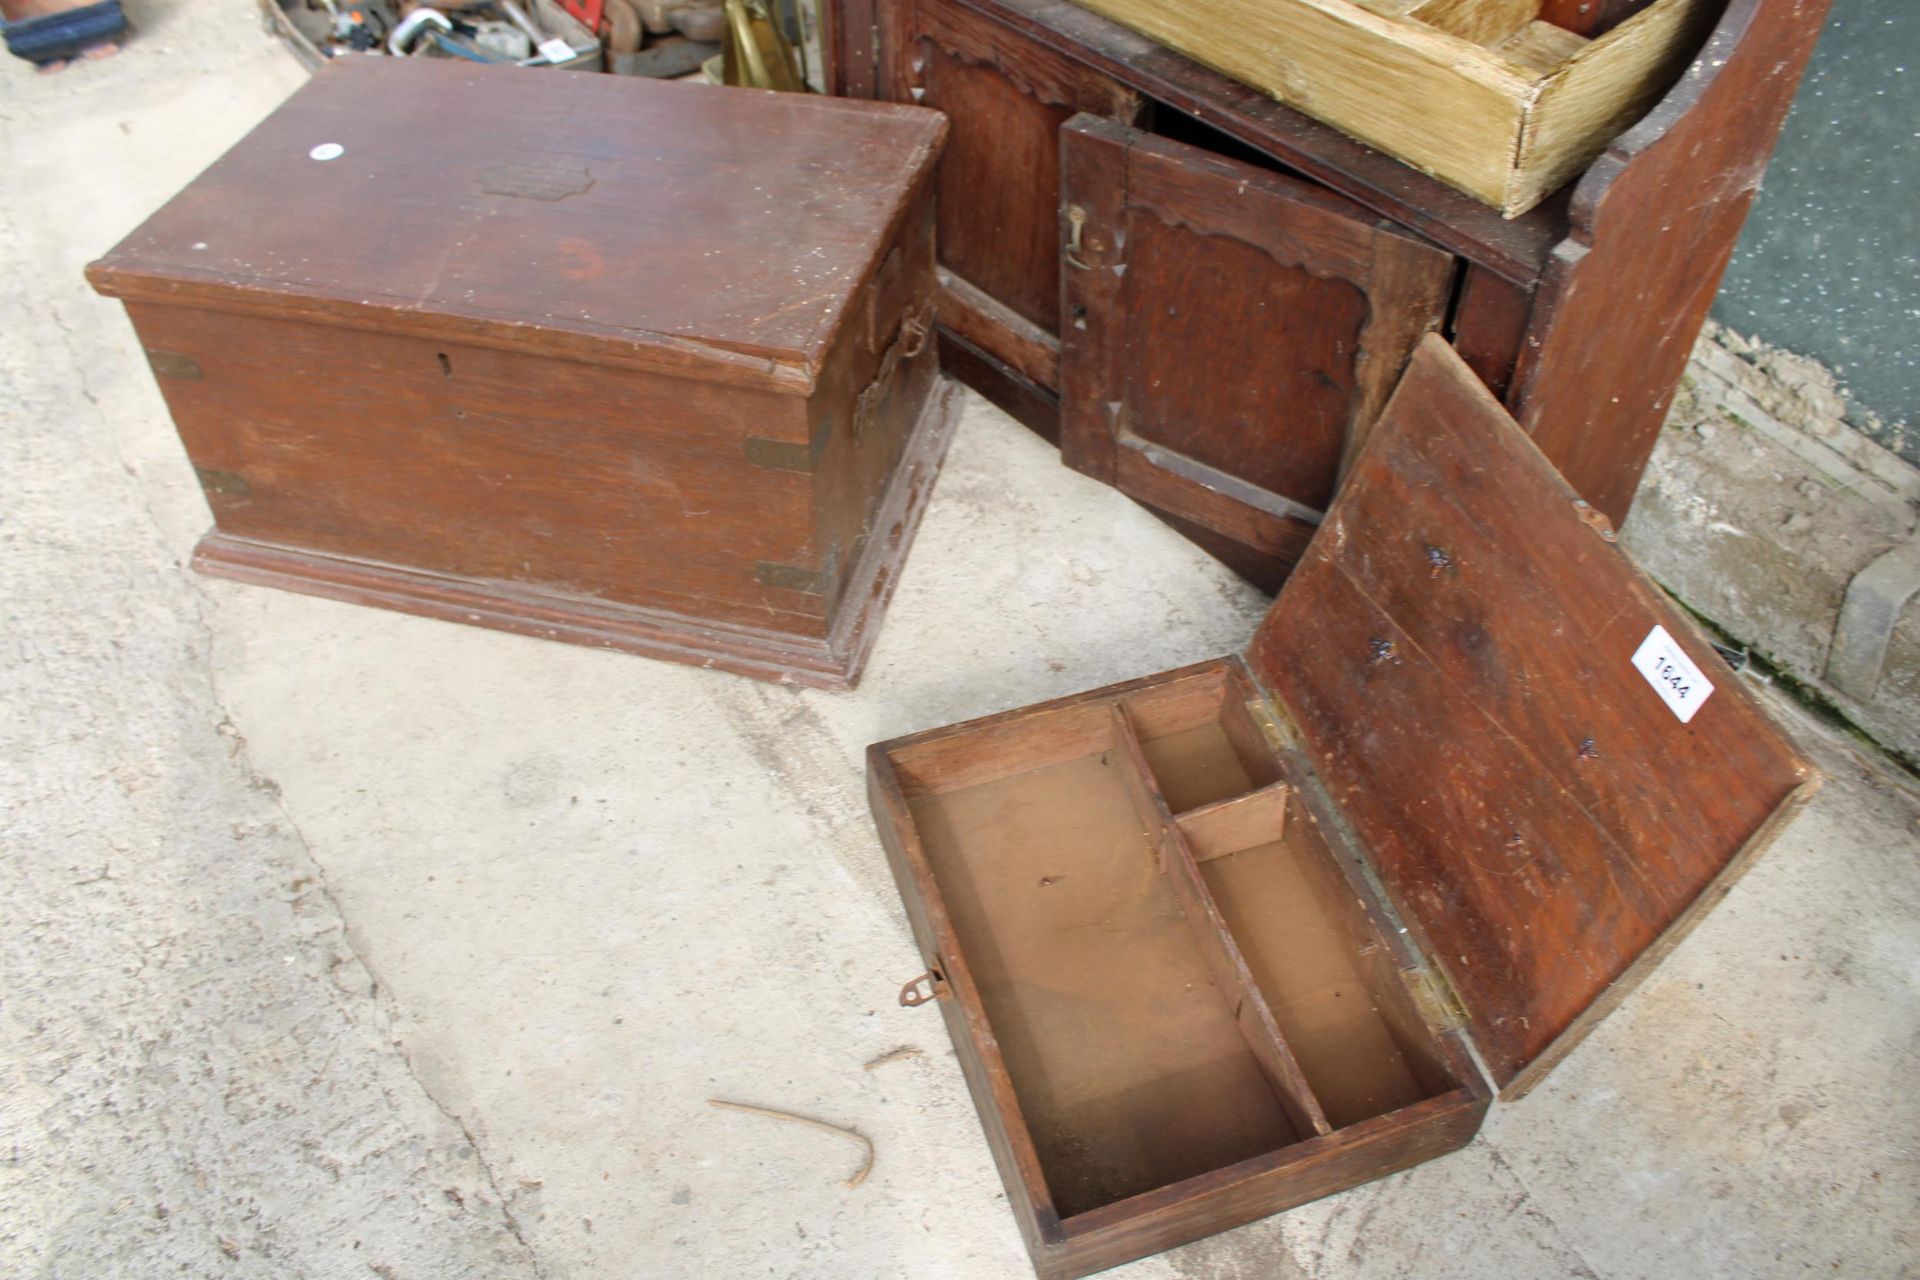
1212, 943
664, 383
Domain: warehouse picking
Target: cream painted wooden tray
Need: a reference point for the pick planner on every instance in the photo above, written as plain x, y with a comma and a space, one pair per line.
1483, 94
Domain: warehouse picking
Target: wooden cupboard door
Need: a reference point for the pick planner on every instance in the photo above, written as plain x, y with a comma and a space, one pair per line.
1230, 336
1006, 99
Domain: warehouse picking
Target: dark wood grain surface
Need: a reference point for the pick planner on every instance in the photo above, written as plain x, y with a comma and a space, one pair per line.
1655, 220
1455, 649
689, 222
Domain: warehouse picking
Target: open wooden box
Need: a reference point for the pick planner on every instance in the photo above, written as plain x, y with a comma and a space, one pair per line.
1505, 99
1153, 913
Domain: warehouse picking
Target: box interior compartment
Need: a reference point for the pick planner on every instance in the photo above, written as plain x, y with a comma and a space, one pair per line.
1516, 31
1535, 37
1175, 971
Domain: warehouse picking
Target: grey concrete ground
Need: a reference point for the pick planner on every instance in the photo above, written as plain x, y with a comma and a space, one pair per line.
339, 944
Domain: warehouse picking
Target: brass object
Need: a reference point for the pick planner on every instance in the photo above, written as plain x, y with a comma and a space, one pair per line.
756, 53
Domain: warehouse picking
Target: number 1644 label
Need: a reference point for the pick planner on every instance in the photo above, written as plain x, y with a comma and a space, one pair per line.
1680, 684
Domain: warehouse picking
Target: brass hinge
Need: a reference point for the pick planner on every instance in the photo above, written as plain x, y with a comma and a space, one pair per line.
1435, 998
1276, 726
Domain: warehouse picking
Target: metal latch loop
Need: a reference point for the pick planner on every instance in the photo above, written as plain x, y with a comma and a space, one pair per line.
929, 986
1076, 223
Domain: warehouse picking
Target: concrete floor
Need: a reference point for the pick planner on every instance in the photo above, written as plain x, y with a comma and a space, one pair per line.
338, 943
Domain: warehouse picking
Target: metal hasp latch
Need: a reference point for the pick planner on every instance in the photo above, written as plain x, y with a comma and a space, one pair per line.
929, 986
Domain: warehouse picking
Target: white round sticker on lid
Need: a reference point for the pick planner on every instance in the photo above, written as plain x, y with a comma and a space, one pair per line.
328, 151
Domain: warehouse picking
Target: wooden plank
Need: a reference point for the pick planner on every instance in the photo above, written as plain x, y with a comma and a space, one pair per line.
1408, 286
964, 1012
1656, 220
563, 431
628, 241
1540, 47
1589, 98
1266, 1185
1033, 406
1093, 196
1212, 939
1457, 652
849, 43
1489, 324
1239, 822
1484, 22
1243, 514
1440, 103
988, 324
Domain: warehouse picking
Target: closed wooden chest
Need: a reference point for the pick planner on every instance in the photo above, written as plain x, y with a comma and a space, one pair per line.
601, 359
1213, 942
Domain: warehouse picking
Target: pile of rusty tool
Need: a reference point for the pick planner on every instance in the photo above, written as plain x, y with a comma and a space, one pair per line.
741, 42
662, 38
494, 31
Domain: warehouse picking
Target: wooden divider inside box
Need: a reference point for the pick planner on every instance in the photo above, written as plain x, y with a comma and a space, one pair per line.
1178, 975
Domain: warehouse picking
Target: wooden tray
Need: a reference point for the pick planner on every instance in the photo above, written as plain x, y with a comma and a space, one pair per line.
1504, 99
1210, 943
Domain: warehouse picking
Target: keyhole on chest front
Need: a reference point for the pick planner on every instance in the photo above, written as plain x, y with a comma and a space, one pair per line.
446, 365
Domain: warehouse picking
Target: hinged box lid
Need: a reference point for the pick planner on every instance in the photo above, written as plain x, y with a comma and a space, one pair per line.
725, 232
1554, 774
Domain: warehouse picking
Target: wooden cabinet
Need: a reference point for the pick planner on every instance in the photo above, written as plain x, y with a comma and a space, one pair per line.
1215, 365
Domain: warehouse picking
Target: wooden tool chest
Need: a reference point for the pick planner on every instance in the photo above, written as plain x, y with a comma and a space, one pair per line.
1213, 942
619, 362
1137, 322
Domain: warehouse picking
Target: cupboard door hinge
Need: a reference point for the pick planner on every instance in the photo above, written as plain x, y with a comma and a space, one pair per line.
1435, 998
929, 986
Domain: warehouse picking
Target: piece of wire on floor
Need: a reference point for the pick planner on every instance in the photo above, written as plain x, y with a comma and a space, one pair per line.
860, 1174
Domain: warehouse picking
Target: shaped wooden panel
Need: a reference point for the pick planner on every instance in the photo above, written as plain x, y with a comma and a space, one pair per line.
998, 186
1229, 335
